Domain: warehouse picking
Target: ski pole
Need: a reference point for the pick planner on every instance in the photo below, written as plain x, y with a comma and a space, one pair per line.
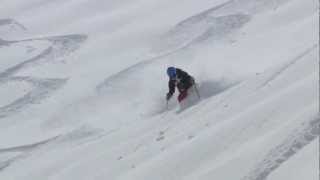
167, 105
196, 89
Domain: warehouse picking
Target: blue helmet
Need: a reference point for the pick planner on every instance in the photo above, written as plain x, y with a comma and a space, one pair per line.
171, 71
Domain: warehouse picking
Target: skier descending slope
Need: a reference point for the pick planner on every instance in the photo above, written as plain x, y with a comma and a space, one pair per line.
183, 81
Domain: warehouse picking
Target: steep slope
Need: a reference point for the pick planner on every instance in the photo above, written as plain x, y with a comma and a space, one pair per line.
249, 130
91, 105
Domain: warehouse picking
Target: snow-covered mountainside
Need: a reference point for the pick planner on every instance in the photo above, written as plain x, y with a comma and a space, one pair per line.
83, 85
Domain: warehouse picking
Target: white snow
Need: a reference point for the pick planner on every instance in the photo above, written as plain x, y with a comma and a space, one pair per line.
12, 90
301, 166
83, 84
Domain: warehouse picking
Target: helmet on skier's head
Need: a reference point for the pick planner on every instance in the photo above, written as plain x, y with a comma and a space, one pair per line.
171, 71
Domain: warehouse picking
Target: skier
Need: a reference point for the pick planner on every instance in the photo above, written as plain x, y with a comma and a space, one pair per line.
180, 79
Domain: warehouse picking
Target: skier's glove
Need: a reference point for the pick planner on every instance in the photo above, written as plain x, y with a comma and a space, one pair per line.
168, 96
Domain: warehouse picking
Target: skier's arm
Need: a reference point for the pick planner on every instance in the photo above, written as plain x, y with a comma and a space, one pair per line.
171, 85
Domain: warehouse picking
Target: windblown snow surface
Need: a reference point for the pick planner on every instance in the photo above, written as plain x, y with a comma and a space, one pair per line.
82, 87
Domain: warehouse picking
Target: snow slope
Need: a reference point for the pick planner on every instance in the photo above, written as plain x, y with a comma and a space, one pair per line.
305, 160
82, 87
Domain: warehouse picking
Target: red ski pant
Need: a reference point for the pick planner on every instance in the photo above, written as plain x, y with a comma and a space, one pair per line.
183, 94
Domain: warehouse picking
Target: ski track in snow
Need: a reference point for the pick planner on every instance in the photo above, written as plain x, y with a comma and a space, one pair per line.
43, 87
22, 150
4, 43
215, 23
12, 22
293, 144
26, 147
200, 28
203, 28
77, 136
287, 65
10, 28
61, 46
